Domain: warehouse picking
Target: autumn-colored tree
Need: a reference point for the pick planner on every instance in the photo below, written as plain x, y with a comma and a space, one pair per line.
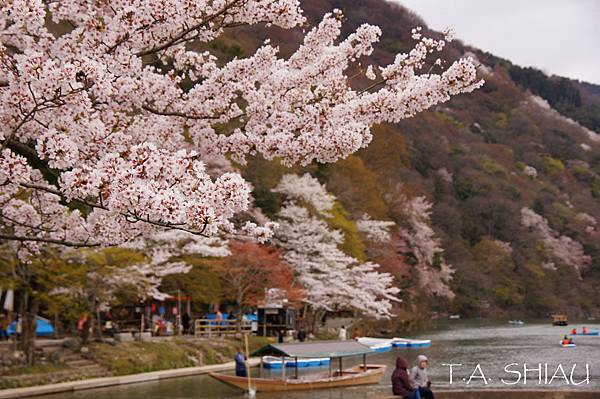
251, 270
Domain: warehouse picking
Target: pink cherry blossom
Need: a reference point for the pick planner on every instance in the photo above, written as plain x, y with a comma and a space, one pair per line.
119, 114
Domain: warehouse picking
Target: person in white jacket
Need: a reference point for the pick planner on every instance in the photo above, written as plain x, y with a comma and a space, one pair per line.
343, 334
419, 378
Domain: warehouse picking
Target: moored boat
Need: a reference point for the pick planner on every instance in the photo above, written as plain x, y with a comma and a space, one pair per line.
410, 343
516, 322
357, 375
272, 362
377, 344
559, 320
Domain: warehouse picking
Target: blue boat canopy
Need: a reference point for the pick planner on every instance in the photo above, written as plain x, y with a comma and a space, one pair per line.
315, 349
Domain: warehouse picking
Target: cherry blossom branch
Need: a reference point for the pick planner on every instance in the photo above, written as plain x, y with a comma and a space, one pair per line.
55, 102
175, 113
48, 241
130, 216
134, 218
16, 222
185, 32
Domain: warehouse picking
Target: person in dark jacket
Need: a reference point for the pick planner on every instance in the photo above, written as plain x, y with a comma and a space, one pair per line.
240, 363
185, 323
401, 385
301, 335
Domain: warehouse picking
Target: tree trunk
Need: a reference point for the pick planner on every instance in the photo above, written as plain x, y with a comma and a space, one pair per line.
98, 324
56, 324
29, 309
240, 314
85, 333
315, 319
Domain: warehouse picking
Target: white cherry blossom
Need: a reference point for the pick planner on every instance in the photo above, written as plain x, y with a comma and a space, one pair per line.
118, 113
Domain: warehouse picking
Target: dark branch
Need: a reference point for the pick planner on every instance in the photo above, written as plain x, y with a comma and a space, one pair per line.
174, 113
49, 241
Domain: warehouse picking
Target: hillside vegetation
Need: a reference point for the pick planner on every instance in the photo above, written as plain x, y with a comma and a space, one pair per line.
484, 160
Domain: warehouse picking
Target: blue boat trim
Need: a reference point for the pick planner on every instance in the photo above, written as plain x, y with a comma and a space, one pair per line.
272, 362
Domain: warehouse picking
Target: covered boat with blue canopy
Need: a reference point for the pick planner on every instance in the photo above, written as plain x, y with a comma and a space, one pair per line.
334, 350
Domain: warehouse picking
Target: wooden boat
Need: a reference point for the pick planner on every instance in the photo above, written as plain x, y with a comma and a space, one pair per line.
272, 362
377, 344
559, 320
357, 375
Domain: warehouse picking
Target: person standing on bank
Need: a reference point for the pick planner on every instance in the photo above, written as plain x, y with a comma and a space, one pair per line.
185, 322
343, 334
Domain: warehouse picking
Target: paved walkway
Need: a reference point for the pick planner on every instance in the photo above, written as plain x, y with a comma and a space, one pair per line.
510, 394
72, 386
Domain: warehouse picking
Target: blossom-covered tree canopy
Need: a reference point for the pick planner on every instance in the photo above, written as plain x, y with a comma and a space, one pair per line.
333, 280
105, 115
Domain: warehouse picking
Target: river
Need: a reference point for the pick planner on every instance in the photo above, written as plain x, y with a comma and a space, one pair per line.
492, 346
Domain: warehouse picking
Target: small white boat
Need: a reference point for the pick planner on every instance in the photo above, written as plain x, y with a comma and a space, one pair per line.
516, 322
567, 345
273, 362
410, 343
454, 316
377, 344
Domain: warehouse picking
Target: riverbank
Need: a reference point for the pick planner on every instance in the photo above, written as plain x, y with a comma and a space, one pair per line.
74, 386
66, 361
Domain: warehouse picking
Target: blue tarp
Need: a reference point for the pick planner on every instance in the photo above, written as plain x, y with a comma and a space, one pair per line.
43, 327
249, 317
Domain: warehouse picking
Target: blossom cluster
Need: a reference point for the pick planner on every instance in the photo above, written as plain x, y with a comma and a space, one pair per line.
307, 189
119, 113
375, 230
332, 279
564, 248
434, 273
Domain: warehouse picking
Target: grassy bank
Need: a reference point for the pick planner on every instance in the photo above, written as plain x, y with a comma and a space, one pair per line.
138, 357
102, 359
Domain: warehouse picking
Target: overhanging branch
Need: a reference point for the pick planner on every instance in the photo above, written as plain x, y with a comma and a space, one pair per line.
48, 240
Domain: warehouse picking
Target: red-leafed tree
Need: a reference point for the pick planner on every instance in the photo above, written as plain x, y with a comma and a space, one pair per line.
251, 269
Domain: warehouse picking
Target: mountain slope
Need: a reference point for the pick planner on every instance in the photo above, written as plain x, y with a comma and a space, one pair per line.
481, 159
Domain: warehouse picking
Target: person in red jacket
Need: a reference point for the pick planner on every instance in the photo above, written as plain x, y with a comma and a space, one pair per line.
574, 331
401, 385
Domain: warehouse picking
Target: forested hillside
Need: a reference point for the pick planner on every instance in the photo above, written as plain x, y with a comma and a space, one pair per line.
514, 185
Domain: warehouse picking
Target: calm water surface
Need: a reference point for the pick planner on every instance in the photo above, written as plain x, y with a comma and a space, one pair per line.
492, 346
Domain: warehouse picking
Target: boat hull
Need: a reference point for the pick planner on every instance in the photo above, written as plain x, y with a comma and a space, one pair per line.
593, 333
350, 377
568, 345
